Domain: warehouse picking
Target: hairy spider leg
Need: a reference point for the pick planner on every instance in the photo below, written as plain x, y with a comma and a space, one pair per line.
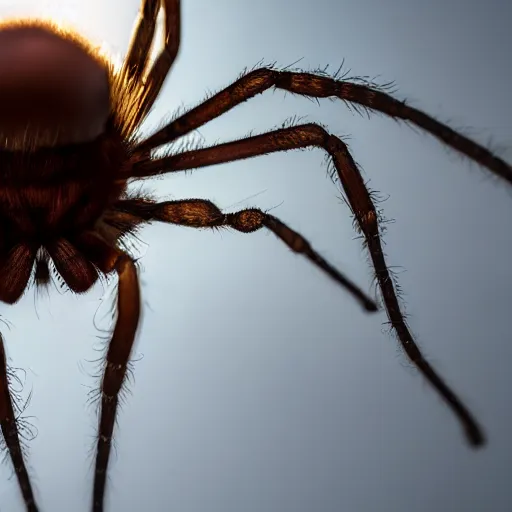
11, 434
136, 60
118, 352
139, 75
365, 215
367, 96
128, 214
136, 67
164, 61
202, 213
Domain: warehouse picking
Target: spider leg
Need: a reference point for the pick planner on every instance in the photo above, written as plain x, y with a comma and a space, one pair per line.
201, 213
136, 59
117, 357
365, 216
163, 63
136, 67
11, 434
368, 96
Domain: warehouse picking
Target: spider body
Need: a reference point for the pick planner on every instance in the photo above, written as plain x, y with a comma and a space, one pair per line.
66, 206
60, 159
48, 199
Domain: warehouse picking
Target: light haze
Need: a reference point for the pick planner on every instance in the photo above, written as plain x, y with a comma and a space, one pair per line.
262, 386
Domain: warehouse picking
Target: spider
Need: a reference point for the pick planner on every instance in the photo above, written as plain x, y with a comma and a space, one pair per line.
71, 145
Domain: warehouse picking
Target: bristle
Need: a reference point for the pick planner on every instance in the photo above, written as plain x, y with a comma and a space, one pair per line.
127, 97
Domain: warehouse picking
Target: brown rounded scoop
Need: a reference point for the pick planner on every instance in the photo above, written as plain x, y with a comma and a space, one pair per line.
51, 89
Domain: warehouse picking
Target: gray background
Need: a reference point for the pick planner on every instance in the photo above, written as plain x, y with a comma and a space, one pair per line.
263, 387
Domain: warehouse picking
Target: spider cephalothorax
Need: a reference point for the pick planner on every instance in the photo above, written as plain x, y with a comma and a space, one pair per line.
70, 144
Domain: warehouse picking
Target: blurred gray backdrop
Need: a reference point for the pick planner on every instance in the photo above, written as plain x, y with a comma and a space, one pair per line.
263, 387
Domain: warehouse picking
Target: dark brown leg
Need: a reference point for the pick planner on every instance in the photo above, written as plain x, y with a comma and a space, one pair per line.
11, 434
136, 60
135, 67
365, 215
201, 213
116, 364
367, 96
163, 63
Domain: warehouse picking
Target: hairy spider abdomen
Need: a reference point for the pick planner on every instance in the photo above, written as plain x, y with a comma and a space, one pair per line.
53, 90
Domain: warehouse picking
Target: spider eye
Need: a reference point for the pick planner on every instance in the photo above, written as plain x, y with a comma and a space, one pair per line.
52, 91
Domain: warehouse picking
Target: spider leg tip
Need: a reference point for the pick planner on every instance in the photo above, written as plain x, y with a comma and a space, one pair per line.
476, 438
370, 306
